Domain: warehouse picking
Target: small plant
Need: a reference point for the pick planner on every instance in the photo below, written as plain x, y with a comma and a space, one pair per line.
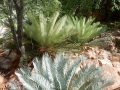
47, 32
61, 74
61, 33
84, 31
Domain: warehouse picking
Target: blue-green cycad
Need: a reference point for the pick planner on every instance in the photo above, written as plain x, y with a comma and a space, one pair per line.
61, 74
47, 32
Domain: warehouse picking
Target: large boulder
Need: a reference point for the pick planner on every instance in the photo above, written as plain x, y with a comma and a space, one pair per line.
111, 71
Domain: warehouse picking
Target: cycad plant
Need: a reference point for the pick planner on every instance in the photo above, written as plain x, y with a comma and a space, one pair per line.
85, 29
47, 32
61, 74
61, 32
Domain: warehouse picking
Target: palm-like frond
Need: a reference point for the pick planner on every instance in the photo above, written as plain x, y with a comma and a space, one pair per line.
47, 32
89, 78
27, 82
100, 41
83, 32
61, 75
85, 29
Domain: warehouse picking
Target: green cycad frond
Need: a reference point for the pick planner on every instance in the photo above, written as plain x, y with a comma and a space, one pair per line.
100, 41
85, 29
61, 75
47, 32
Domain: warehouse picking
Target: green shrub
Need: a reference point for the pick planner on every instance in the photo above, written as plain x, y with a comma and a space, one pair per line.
36, 7
65, 32
47, 32
85, 29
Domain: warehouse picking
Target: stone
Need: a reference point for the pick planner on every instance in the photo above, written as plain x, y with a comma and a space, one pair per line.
104, 54
111, 71
91, 54
116, 64
3, 83
105, 61
115, 57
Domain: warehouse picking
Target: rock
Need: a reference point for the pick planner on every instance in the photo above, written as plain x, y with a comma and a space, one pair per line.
115, 57
3, 83
2, 80
116, 64
2, 31
111, 71
105, 61
88, 61
104, 54
4, 63
91, 54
